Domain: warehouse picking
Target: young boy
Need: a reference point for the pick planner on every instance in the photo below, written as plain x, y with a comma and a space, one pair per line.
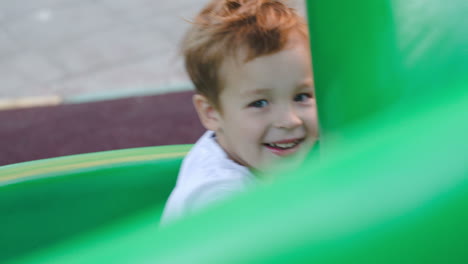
250, 63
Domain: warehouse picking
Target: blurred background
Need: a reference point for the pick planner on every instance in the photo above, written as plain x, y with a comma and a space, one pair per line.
73, 48
93, 75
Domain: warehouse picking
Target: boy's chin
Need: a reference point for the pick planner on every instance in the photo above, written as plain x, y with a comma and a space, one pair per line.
280, 166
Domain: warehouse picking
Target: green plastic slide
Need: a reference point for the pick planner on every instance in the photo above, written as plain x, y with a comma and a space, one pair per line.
49, 201
390, 184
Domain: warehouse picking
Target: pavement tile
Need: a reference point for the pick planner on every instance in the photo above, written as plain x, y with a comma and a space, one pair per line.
141, 10
57, 26
152, 72
12, 10
27, 69
117, 46
7, 45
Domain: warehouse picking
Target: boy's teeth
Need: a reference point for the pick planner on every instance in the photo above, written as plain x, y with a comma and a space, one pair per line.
286, 145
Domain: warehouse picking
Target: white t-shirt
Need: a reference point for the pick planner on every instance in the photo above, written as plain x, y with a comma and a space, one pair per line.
207, 175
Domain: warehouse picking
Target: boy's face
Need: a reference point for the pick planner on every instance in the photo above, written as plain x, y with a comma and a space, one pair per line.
268, 110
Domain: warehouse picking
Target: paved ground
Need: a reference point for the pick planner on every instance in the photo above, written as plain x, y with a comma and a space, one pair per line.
76, 47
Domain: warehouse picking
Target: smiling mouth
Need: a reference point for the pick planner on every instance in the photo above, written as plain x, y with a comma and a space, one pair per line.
284, 145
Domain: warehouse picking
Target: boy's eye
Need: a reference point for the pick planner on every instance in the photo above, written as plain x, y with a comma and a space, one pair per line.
259, 104
302, 97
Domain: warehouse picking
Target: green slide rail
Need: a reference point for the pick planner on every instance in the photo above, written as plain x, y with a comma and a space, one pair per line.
45, 202
390, 184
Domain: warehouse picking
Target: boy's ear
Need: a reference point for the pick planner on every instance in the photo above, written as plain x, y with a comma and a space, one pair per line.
209, 116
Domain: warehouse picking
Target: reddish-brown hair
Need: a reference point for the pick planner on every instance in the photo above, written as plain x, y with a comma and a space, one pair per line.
224, 27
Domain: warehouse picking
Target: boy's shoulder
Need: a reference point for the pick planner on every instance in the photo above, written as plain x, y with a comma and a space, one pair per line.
207, 175
207, 161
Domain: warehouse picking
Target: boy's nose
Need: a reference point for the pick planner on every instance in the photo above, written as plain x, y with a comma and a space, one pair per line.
288, 119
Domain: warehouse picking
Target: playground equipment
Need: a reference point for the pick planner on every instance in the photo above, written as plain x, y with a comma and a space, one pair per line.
48, 201
390, 187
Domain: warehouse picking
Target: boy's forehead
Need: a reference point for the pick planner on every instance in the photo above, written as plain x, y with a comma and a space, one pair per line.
246, 51
261, 75
238, 57
254, 76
